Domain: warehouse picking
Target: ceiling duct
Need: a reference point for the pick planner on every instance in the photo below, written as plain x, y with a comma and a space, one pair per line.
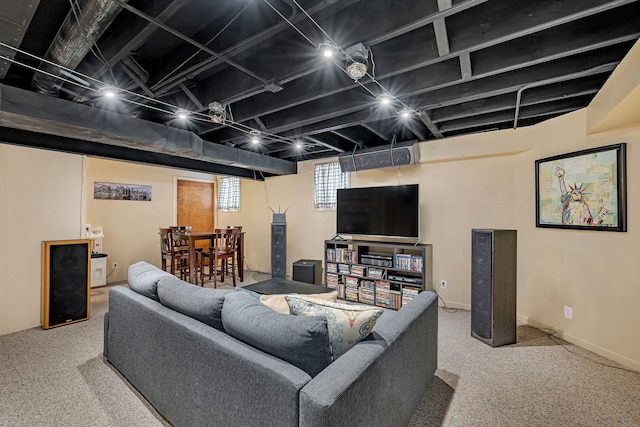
79, 32
380, 157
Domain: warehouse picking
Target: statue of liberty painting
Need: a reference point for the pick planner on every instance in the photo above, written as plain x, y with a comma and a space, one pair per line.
575, 210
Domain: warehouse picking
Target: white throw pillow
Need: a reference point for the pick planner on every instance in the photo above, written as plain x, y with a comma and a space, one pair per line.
348, 323
278, 303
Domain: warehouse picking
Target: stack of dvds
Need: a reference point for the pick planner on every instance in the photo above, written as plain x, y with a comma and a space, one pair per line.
408, 262
375, 273
409, 293
394, 299
343, 269
351, 288
332, 281
357, 270
367, 292
382, 294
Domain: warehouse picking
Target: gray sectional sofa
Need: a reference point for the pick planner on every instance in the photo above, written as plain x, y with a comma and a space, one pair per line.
178, 345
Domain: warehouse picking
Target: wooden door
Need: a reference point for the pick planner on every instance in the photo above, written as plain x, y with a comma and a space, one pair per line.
196, 204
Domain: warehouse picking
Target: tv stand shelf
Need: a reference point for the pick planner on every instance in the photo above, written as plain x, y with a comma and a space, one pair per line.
378, 273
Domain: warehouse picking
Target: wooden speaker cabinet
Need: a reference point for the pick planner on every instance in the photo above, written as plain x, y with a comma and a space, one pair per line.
66, 273
493, 286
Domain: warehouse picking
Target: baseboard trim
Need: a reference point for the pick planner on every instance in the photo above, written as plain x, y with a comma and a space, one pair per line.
618, 358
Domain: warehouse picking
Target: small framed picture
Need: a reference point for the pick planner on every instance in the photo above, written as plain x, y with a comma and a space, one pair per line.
112, 191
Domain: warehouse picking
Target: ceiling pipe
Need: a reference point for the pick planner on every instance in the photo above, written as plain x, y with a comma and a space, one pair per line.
79, 32
595, 70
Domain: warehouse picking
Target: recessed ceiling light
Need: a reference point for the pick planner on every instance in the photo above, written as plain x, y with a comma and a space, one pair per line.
298, 145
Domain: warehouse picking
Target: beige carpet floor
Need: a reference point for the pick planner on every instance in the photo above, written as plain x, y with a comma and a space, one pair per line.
58, 377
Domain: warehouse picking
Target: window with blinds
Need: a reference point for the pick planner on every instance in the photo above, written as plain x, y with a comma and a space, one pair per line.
229, 194
328, 179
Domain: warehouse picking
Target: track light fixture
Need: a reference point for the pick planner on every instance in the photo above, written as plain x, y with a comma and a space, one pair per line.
385, 99
255, 136
217, 112
108, 91
357, 61
328, 49
182, 114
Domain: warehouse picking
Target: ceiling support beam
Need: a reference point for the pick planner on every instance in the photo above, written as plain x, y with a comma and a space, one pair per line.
429, 124
465, 66
129, 40
41, 114
416, 129
323, 144
189, 40
440, 29
442, 40
138, 81
14, 29
192, 97
377, 130
343, 136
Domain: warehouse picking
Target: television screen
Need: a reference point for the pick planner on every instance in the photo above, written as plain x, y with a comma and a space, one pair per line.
378, 211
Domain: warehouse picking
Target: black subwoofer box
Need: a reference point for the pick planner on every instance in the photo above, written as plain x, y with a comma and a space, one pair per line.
308, 271
493, 286
66, 267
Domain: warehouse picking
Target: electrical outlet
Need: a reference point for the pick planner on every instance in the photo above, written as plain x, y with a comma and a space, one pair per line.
115, 265
443, 284
568, 312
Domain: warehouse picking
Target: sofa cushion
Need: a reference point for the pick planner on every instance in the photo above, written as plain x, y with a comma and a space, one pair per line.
249, 292
203, 304
348, 323
143, 279
301, 341
279, 303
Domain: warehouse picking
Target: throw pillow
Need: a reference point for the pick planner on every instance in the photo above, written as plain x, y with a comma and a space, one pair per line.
278, 303
143, 277
301, 341
348, 323
203, 304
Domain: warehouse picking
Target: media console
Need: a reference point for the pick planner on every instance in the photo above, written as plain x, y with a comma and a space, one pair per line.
378, 273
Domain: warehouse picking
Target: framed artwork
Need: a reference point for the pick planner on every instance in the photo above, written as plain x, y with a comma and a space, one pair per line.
111, 191
584, 190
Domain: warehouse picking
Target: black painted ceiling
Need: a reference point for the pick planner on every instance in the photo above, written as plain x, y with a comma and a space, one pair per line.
458, 66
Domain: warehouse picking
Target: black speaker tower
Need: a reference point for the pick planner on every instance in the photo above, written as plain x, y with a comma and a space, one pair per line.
279, 246
493, 286
66, 267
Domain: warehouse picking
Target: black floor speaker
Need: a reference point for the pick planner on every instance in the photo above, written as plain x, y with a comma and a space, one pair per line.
66, 267
279, 250
493, 286
308, 271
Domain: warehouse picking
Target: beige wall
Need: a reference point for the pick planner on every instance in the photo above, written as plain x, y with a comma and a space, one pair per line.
131, 227
494, 187
40, 199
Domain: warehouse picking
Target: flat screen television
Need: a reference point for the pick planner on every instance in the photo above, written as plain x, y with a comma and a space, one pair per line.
390, 211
